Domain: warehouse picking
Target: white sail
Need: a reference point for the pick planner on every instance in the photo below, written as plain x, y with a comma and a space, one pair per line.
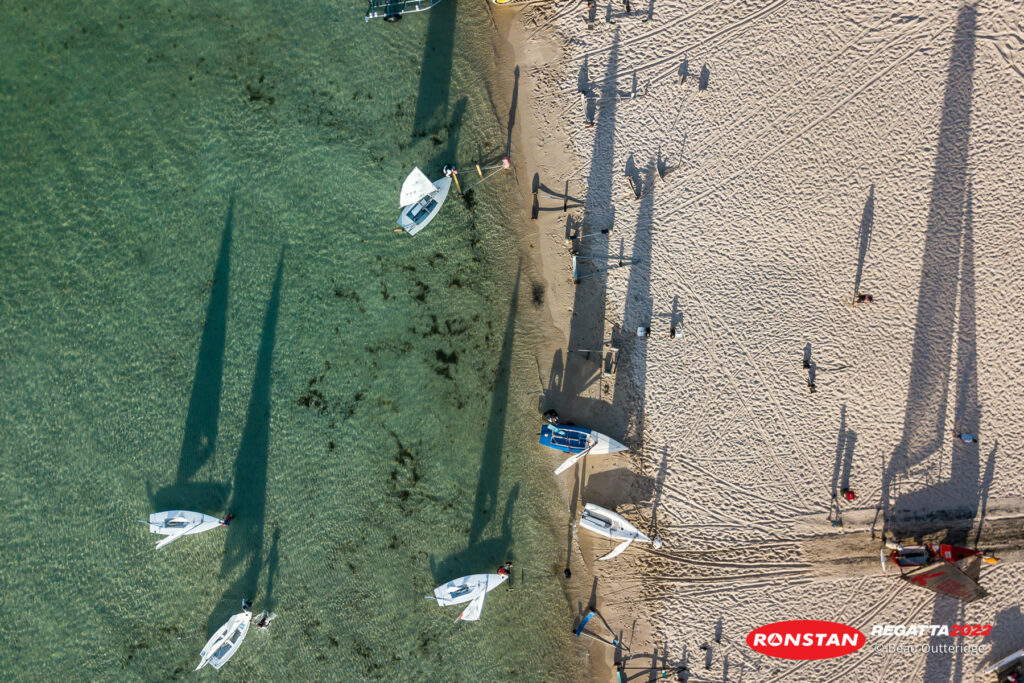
184, 531
571, 460
475, 607
618, 549
416, 187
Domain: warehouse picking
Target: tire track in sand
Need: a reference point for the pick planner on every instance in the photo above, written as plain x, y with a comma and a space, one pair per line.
777, 409
810, 126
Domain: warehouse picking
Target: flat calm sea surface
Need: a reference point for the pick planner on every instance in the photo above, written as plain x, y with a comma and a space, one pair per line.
203, 305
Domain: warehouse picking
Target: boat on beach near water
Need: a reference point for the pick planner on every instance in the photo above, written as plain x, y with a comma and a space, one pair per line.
578, 442
1009, 669
177, 523
392, 10
472, 589
421, 199
937, 567
614, 526
223, 644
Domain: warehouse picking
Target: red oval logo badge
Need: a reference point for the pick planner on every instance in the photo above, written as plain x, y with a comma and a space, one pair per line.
805, 639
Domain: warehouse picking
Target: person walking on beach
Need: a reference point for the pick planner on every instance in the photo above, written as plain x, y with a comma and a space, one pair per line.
863, 299
849, 495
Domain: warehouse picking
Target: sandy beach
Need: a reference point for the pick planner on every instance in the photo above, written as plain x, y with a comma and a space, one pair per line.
740, 171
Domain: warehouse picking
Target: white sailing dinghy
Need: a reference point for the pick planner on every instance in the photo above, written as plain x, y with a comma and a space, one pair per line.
421, 200
472, 589
177, 523
614, 526
223, 644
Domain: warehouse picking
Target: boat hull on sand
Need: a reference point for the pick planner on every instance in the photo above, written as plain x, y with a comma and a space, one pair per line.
575, 440
614, 526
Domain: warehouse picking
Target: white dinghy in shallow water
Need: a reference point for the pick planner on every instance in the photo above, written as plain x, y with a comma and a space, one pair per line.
223, 644
614, 526
472, 589
421, 200
177, 523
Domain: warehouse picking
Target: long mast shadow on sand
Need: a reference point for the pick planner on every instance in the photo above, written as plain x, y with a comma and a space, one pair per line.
947, 266
567, 389
925, 416
244, 542
484, 555
199, 441
631, 379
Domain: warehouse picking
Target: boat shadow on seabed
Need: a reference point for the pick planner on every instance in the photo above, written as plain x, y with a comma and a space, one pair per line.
484, 555
199, 441
244, 543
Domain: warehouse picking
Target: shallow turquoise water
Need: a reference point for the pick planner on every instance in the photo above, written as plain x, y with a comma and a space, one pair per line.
205, 306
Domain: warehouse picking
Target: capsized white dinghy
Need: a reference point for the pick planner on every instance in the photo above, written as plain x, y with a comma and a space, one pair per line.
472, 589
421, 199
614, 526
177, 523
223, 644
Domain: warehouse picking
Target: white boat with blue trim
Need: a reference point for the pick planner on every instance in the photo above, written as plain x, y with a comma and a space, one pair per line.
421, 200
578, 442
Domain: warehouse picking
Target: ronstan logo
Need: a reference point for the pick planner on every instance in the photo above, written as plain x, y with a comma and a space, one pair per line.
805, 639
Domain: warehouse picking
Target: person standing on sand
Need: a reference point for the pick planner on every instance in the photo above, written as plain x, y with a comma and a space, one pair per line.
506, 570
